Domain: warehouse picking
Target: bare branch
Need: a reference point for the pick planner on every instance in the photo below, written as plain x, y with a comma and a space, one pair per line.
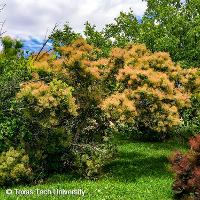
1, 28
2, 7
44, 44
3, 22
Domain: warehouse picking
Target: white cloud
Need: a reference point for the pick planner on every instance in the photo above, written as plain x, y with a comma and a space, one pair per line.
33, 17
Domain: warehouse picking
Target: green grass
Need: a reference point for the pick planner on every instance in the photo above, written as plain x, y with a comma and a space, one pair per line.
140, 172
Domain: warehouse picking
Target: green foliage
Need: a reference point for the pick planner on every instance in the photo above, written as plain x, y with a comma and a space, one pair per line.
11, 47
173, 26
13, 71
14, 167
124, 30
13, 130
61, 116
98, 39
190, 125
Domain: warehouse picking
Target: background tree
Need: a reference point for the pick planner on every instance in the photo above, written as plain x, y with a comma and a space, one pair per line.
173, 26
13, 71
124, 30
63, 37
98, 38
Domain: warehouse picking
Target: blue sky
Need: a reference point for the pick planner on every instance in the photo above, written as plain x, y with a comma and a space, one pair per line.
31, 20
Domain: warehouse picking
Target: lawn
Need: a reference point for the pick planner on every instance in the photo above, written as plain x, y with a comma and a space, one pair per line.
140, 172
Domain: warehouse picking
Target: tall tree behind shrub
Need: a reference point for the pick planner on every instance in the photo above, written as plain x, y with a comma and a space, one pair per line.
170, 26
63, 37
173, 26
125, 29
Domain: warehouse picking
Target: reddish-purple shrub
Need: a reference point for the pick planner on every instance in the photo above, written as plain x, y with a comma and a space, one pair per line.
187, 171
194, 143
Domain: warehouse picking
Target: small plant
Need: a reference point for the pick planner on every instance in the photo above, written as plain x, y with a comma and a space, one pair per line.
90, 159
14, 167
187, 171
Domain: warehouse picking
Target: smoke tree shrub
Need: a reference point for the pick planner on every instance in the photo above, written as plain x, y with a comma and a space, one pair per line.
186, 168
60, 104
44, 100
148, 89
46, 106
